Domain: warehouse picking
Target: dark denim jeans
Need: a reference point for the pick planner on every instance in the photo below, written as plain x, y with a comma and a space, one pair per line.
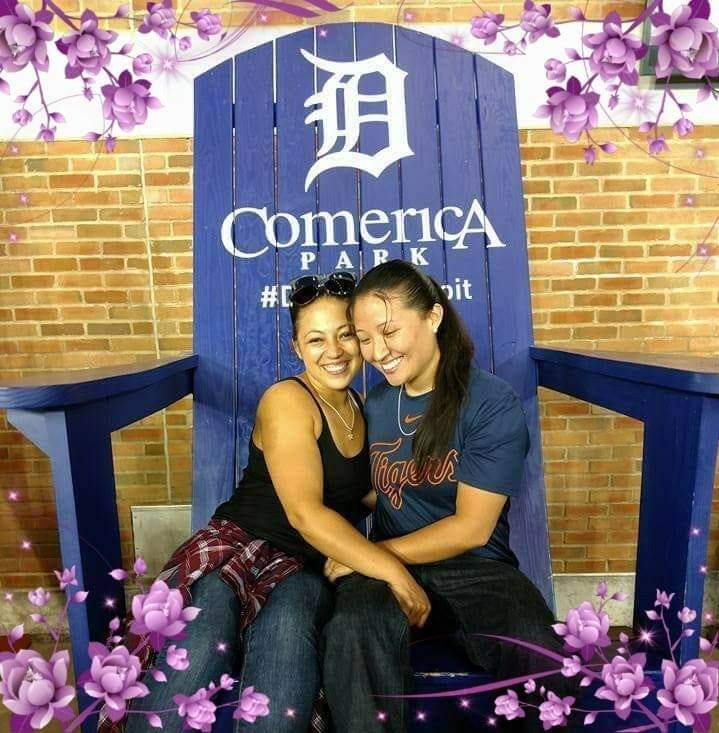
365, 645
280, 653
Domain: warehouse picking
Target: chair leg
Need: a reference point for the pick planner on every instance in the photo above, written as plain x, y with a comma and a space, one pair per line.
680, 450
77, 441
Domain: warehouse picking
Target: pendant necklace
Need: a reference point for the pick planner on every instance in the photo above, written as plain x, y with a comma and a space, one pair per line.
349, 427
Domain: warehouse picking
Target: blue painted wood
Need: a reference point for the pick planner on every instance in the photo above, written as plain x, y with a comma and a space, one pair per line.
461, 185
65, 388
678, 465
83, 479
256, 345
338, 186
382, 193
507, 273
296, 151
421, 173
213, 465
676, 371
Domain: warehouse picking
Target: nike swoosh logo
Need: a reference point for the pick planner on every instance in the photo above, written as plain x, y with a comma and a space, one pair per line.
409, 419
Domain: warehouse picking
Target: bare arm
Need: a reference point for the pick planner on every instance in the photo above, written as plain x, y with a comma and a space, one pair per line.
293, 460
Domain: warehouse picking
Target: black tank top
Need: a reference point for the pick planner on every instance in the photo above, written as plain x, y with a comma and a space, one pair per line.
256, 508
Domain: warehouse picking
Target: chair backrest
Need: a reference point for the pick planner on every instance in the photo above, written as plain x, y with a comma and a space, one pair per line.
339, 147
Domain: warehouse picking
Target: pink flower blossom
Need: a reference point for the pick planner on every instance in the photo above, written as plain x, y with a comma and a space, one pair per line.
662, 598
112, 677
47, 133
656, 146
614, 52
571, 111
66, 578
127, 103
35, 688
486, 26
142, 64
160, 18
624, 681
686, 615
197, 710
160, 614
537, 21
252, 705
39, 597
177, 658
510, 48
87, 49
140, 566
508, 706
571, 665
683, 127
687, 45
208, 24
556, 70
23, 38
584, 629
553, 711
690, 692
21, 117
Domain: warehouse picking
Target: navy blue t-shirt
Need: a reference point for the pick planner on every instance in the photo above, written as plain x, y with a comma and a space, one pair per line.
487, 452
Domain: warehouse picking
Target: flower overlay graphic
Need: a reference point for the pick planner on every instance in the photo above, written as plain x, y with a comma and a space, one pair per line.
36, 692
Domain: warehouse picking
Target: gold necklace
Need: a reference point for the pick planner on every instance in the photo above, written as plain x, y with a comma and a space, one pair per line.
349, 428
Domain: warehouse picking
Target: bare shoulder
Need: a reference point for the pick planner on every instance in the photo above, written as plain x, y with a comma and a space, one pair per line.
289, 403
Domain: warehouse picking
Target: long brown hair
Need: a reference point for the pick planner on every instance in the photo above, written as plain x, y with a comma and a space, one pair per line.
420, 292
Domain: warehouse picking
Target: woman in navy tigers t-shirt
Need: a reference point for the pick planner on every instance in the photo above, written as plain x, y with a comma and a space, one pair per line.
447, 448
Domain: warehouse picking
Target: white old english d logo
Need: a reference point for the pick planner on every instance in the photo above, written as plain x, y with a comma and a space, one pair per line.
345, 78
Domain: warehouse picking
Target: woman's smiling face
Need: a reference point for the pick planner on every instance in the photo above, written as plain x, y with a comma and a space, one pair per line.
326, 343
399, 341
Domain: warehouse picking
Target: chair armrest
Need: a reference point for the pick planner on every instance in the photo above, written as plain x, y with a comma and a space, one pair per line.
65, 388
670, 371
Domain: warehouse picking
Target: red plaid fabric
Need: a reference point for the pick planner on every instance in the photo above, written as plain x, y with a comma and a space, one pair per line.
251, 567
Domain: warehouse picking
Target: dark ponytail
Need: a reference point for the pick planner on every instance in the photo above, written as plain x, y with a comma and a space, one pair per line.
420, 292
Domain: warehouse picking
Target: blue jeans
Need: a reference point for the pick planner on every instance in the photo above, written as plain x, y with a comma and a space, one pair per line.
280, 653
366, 642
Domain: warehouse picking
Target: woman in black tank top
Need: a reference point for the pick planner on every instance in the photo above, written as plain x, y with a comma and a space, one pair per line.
302, 492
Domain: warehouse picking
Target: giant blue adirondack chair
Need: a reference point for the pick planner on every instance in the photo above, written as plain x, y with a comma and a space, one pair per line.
420, 126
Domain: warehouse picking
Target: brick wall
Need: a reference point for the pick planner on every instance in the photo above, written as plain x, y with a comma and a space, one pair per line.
101, 274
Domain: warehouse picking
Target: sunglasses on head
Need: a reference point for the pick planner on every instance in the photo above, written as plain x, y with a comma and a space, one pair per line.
303, 290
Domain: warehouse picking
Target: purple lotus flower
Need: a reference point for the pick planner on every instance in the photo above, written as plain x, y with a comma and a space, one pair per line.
689, 693
112, 677
571, 665
656, 146
21, 117
35, 688
508, 706
614, 52
537, 21
23, 38
486, 26
624, 681
687, 45
197, 710
683, 127
86, 49
584, 629
554, 709
571, 112
47, 133
177, 658
39, 597
160, 614
556, 70
142, 64
160, 18
127, 102
208, 24
252, 705
66, 578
